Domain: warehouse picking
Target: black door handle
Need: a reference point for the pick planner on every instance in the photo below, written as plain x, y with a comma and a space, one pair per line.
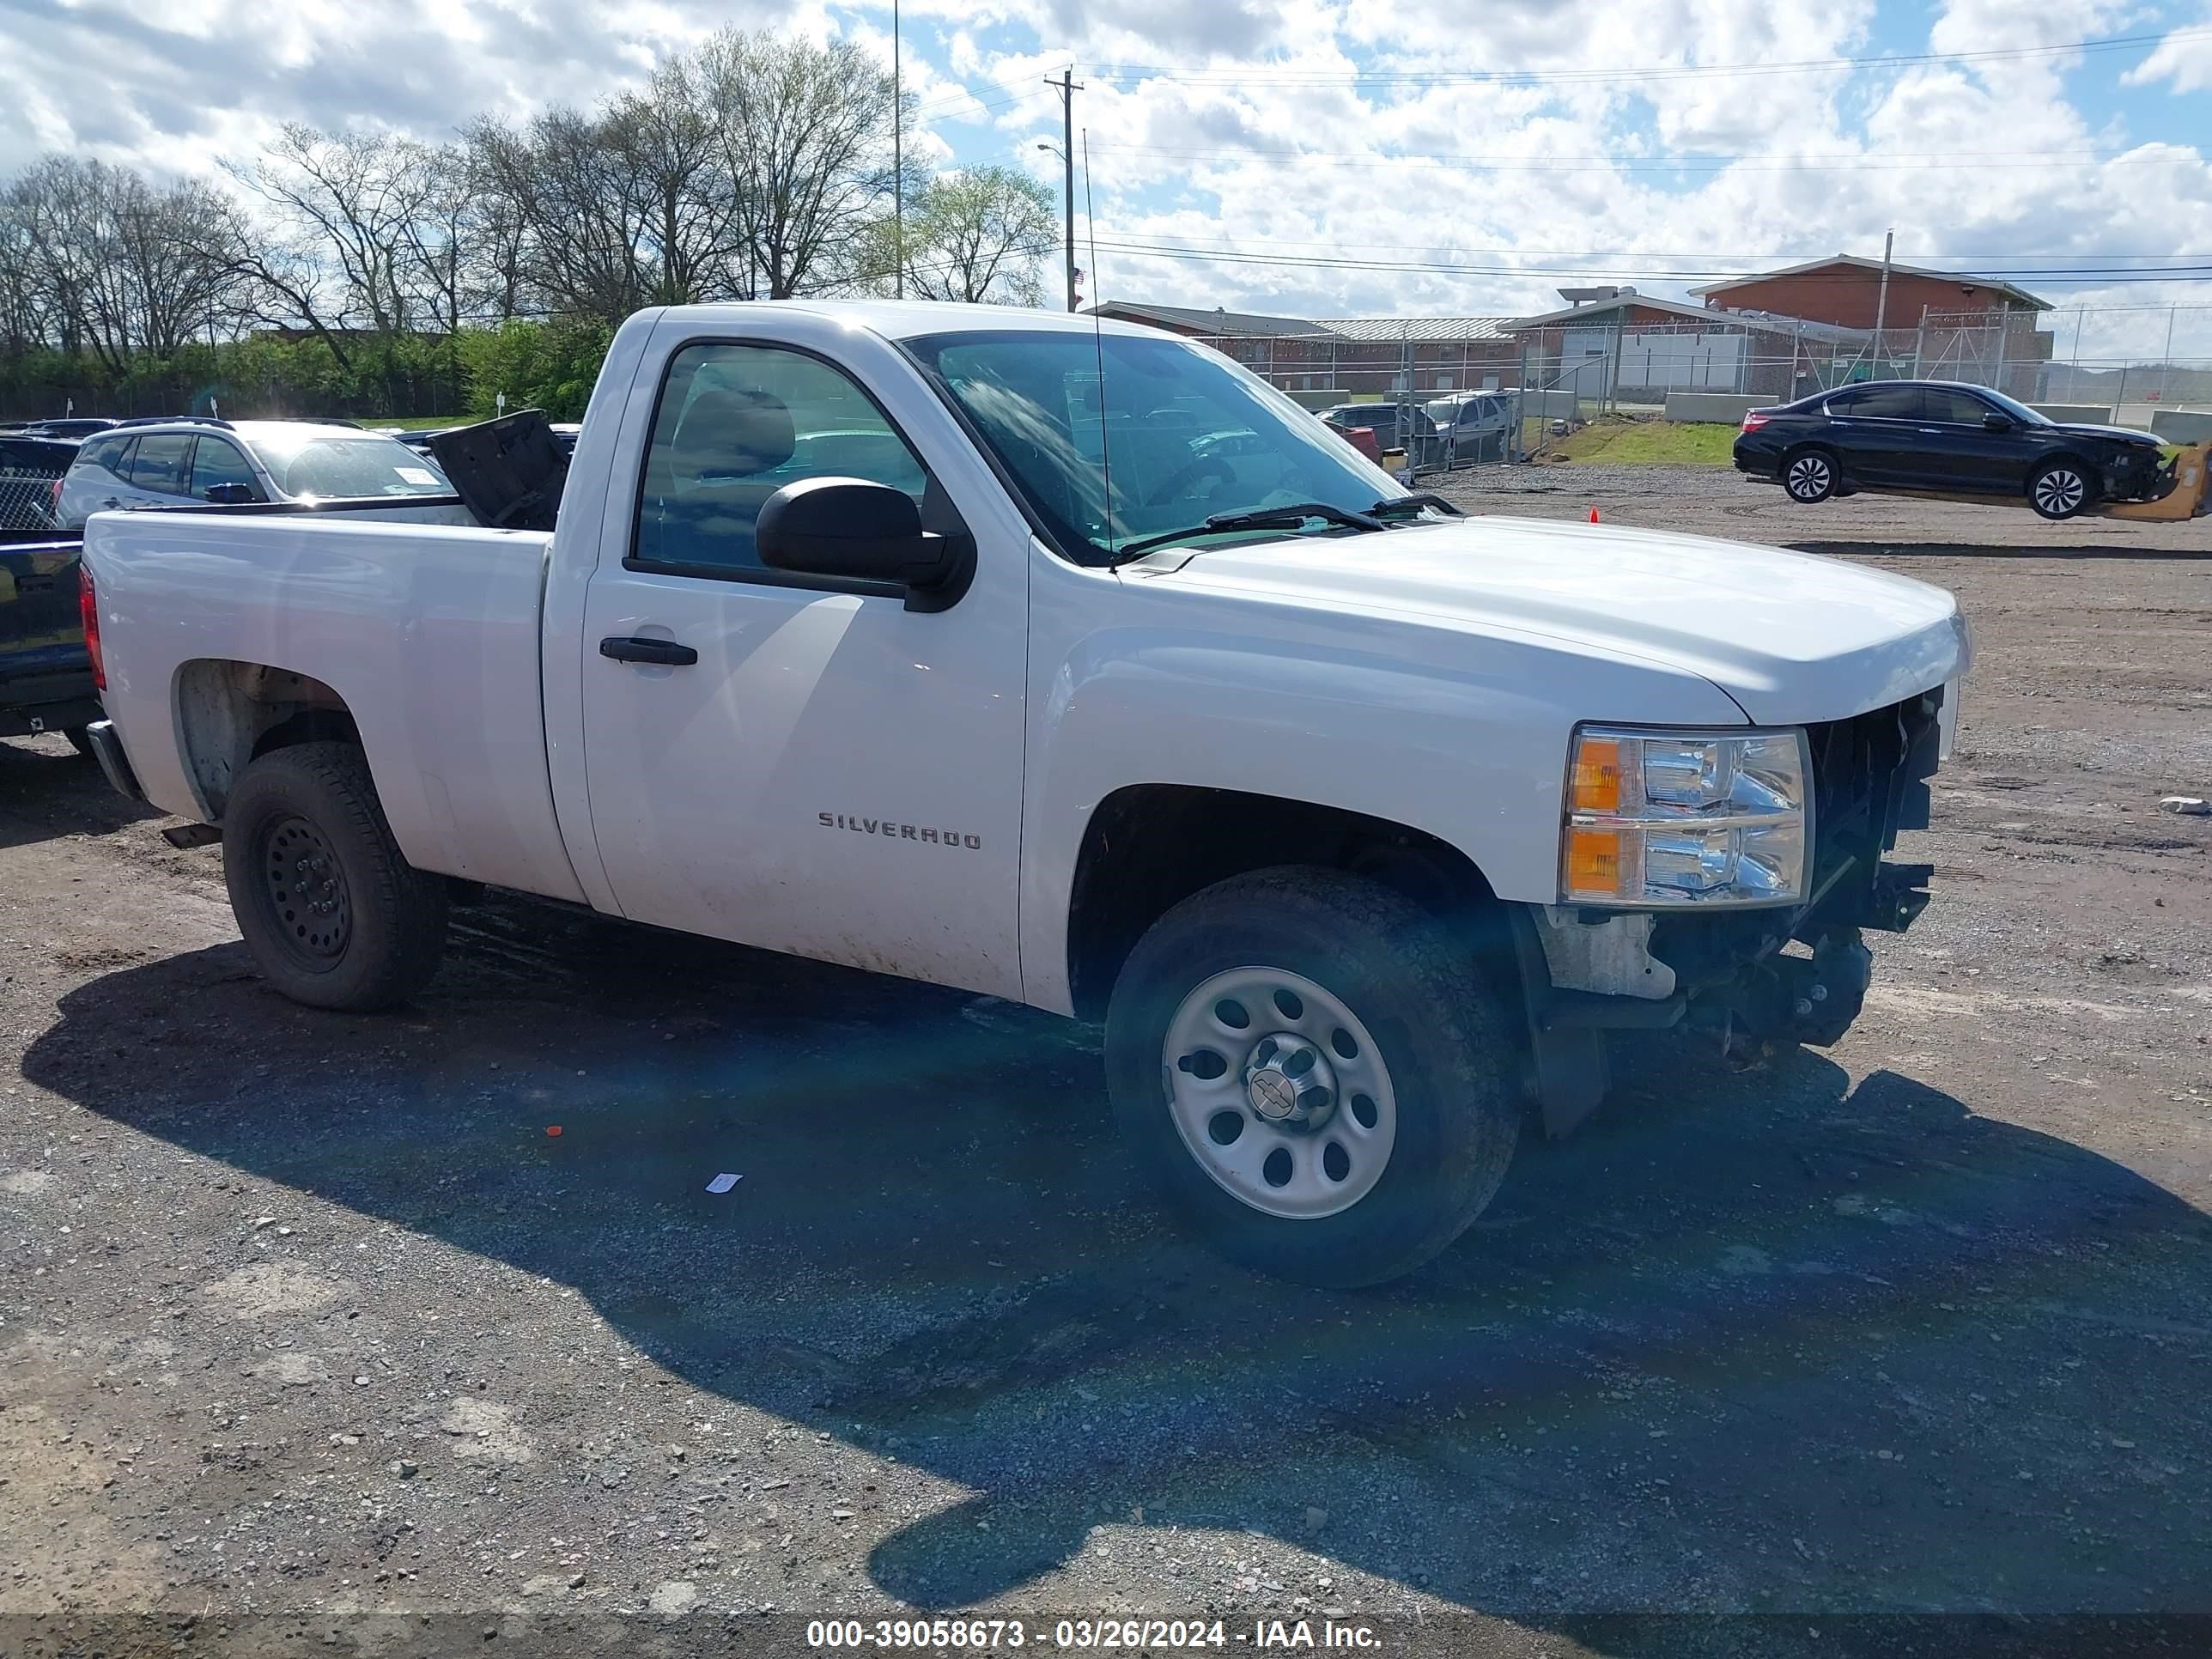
633, 648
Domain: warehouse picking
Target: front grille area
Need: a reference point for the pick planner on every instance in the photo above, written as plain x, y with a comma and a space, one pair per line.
1869, 781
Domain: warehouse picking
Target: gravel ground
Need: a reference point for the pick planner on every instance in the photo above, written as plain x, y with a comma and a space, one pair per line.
312, 1326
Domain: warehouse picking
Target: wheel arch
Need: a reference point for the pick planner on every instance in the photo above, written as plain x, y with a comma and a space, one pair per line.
230, 713
1810, 446
1147, 847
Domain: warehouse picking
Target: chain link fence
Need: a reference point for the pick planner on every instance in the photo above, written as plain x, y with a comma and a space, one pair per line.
1513, 390
28, 471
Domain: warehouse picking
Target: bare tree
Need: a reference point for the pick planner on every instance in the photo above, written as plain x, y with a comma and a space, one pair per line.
438, 272
97, 260
578, 225
807, 137
629, 206
979, 235
668, 135
351, 200
169, 242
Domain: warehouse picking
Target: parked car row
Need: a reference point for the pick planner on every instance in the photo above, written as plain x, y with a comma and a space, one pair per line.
1444, 432
1935, 436
199, 459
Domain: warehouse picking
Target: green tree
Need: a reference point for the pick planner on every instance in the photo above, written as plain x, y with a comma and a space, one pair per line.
980, 235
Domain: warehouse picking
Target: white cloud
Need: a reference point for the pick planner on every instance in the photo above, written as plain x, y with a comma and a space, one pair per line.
1275, 132
2183, 59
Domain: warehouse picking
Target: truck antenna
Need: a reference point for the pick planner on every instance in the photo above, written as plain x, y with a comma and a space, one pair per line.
1098, 344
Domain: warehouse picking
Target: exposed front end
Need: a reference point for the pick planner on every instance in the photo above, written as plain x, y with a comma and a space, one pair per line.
1745, 921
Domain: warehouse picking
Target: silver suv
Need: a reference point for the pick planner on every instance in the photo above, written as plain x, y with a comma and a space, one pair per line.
199, 459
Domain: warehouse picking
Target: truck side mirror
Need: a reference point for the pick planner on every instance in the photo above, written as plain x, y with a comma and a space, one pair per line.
860, 531
233, 495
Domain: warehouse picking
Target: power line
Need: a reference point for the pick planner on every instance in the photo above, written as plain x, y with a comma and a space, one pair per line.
1199, 75
1763, 258
2056, 264
1964, 161
1141, 250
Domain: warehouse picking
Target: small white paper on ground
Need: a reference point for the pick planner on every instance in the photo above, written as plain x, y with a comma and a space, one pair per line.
723, 1182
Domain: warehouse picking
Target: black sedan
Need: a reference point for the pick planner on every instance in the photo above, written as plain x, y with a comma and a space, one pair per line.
1907, 437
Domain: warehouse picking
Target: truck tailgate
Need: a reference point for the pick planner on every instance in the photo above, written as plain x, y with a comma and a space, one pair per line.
429, 634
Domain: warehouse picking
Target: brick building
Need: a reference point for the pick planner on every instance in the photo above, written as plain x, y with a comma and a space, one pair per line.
1848, 291
1936, 325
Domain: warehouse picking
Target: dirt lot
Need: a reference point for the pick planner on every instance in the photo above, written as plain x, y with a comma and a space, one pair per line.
306, 1317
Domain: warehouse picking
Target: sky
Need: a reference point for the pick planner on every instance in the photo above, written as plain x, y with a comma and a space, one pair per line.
1365, 159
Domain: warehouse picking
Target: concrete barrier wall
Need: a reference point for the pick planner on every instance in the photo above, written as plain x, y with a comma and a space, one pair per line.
1548, 406
1713, 408
2183, 426
2075, 414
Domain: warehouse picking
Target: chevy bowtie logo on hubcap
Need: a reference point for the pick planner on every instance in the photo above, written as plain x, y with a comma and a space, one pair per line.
1274, 1096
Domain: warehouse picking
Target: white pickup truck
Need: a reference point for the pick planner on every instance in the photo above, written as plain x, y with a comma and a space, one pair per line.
1070, 664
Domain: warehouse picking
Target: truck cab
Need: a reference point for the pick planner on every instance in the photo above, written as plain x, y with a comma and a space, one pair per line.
1067, 662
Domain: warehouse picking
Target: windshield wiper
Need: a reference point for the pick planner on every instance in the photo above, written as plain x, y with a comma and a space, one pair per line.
1413, 502
1288, 517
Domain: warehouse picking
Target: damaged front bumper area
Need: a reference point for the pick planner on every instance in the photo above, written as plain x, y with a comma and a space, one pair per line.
1798, 974
2137, 474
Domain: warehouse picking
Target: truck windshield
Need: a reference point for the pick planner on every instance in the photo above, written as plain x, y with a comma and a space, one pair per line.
1183, 435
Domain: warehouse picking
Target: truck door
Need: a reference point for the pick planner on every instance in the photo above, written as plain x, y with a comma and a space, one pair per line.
823, 772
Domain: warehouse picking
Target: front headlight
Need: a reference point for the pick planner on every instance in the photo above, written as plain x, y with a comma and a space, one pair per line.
1662, 818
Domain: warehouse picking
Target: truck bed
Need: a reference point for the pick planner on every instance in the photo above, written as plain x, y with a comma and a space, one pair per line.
428, 634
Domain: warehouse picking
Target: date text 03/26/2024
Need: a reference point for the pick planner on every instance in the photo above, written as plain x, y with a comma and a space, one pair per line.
1094, 1635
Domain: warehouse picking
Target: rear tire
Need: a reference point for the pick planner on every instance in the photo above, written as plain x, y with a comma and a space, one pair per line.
335, 916
2059, 489
1808, 476
1348, 990
80, 738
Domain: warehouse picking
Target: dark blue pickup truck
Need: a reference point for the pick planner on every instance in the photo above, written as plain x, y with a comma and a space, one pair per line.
46, 676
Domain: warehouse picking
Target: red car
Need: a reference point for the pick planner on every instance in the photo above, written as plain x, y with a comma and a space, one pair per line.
1361, 438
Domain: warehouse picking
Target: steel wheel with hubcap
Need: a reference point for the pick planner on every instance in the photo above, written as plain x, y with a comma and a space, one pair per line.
1280, 1093
1809, 475
2059, 490
1313, 1072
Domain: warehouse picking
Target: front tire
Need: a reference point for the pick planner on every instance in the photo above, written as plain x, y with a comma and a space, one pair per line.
1809, 475
2059, 489
334, 914
1361, 1114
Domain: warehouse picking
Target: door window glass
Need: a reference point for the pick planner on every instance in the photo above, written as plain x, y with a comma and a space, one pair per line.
1953, 407
218, 461
737, 423
1892, 403
162, 463
106, 453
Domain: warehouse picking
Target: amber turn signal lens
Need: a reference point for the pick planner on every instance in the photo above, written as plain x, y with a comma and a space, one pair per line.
1597, 775
1593, 863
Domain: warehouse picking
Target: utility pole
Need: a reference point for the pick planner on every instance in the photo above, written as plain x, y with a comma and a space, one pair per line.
1067, 87
898, 166
1881, 301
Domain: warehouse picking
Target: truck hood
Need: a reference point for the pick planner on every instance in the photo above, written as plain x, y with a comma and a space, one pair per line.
1791, 638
